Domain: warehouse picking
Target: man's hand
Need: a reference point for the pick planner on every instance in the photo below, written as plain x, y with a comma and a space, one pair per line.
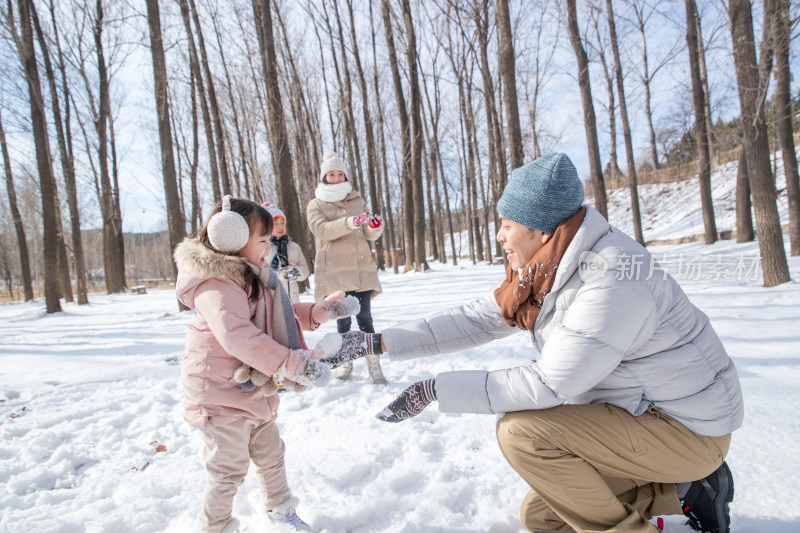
337, 305
410, 403
343, 348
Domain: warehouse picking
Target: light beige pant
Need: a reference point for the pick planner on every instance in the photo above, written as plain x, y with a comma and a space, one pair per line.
597, 468
227, 454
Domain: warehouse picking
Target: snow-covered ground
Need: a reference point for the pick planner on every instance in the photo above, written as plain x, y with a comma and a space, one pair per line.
88, 395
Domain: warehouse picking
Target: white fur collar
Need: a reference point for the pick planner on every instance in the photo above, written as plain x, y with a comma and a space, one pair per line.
195, 260
333, 193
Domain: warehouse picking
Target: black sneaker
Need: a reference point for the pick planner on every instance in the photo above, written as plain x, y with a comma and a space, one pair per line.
706, 503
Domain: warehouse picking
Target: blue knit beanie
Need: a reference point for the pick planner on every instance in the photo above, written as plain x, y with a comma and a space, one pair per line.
543, 193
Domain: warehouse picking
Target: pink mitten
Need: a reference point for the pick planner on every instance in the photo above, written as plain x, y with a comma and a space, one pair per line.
375, 221
360, 219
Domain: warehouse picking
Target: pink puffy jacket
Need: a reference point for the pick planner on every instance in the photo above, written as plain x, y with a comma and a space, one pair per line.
221, 336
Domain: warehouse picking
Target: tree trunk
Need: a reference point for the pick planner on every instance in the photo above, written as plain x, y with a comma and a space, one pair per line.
480, 17
194, 64
646, 80
626, 129
418, 140
368, 127
112, 225
39, 125
346, 100
175, 220
279, 140
22, 244
589, 119
219, 133
390, 226
234, 109
783, 106
762, 186
701, 58
506, 63
405, 134
65, 152
701, 137
744, 217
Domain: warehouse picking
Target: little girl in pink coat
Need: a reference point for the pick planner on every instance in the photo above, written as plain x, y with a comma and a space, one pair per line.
244, 342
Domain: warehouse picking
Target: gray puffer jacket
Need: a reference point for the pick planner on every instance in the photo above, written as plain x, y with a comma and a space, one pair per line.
614, 329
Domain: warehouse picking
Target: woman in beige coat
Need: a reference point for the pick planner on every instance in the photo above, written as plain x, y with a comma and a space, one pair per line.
341, 224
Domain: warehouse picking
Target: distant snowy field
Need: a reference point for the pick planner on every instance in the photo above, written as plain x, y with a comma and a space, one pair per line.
87, 395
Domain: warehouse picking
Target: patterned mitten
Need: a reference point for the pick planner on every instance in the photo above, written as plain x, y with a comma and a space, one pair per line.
354, 344
337, 305
314, 373
356, 221
375, 221
290, 273
410, 403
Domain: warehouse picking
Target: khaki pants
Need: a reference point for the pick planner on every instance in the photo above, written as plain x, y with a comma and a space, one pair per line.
598, 468
227, 454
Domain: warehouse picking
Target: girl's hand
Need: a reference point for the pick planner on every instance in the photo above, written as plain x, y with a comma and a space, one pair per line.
375, 221
314, 373
356, 221
337, 305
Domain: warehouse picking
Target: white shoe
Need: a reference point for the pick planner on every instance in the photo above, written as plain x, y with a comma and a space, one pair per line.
284, 519
344, 371
232, 526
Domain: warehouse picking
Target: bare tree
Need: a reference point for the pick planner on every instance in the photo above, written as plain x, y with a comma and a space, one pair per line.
368, 127
701, 138
762, 186
506, 62
417, 140
643, 11
781, 37
626, 128
279, 140
22, 244
175, 219
219, 132
63, 136
194, 64
27, 56
744, 217
589, 119
405, 134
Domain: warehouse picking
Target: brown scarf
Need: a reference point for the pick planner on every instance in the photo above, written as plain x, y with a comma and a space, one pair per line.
521, 295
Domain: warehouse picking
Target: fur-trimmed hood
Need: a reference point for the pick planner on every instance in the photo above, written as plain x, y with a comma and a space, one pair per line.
197, 263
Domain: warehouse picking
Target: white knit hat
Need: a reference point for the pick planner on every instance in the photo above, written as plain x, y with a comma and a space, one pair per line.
331, 162
273, 210
228, 230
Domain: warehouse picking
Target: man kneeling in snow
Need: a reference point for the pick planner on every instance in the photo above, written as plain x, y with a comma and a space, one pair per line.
633, 398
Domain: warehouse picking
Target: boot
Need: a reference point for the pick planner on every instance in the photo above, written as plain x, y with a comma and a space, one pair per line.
345, 371
375, 372
706, 505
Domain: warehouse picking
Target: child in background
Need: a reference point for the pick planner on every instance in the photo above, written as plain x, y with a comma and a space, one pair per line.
243, 317
286, 257
343, 229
